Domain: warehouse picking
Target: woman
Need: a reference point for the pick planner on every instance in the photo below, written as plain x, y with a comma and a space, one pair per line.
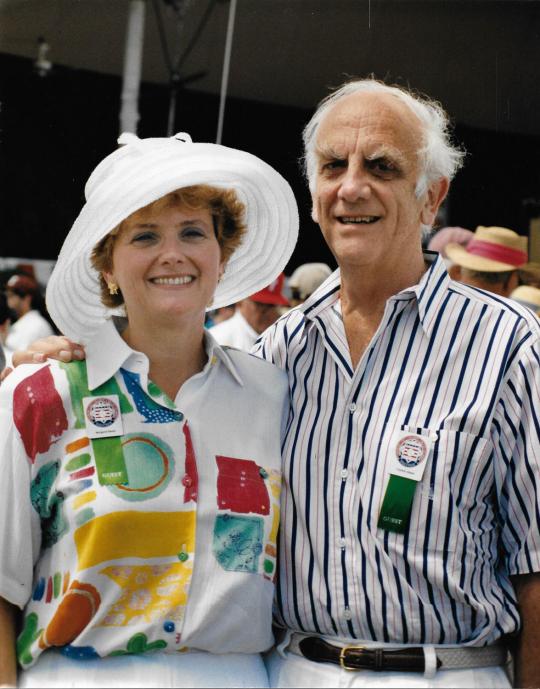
139, 510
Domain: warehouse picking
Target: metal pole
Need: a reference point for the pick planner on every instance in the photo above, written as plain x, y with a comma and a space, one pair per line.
129, 113
225, 73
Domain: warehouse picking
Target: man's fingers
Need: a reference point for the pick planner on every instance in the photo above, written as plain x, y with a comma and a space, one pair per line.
53, 347
5, 373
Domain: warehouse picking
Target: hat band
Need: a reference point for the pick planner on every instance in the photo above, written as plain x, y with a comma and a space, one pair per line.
497, 252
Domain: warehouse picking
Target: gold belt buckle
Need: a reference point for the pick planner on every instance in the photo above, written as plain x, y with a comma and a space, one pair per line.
342, 660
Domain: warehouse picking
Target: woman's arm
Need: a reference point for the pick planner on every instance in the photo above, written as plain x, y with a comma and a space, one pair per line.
8, 662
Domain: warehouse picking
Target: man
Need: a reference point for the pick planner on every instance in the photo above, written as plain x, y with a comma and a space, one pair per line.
529, 296
490, 260
23, 295
410, 516
305, 280
5, 322
449, 235
410, 513
252, 316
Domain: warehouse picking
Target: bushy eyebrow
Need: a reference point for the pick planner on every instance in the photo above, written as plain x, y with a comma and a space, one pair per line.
388, 153
328, 153
381, 152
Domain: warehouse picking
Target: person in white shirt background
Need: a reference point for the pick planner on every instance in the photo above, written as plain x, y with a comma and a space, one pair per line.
252, 316
24, 299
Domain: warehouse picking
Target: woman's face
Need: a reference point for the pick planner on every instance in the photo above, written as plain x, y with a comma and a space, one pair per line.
166, 263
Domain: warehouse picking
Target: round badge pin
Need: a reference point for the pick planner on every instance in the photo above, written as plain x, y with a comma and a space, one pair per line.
411, 451
102, 412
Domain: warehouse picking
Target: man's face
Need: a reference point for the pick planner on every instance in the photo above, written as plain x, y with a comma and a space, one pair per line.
260, 316
367, 171
16, 303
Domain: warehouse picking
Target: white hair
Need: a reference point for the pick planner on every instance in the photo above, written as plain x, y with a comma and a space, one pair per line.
438, 157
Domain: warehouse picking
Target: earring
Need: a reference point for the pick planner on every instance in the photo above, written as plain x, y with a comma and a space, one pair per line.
113, 288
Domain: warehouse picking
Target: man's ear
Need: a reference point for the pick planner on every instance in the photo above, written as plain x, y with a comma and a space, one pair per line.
314, 210
435, 195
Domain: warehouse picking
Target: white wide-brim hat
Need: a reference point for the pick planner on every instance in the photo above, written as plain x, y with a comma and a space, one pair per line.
142, 171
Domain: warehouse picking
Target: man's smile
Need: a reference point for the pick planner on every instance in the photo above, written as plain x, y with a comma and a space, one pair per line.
358, 219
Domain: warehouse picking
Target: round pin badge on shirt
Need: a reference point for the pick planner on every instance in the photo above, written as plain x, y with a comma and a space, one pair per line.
102, 412
411, 450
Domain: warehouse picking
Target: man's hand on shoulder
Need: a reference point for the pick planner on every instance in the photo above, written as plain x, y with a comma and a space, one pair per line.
53, 347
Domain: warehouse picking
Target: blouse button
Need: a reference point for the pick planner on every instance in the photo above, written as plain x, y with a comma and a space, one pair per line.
263, 472
182, 556
187, 481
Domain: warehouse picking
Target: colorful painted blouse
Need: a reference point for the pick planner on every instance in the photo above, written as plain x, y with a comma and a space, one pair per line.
159, 536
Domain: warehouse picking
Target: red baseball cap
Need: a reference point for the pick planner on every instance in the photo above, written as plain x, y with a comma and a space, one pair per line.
273, 294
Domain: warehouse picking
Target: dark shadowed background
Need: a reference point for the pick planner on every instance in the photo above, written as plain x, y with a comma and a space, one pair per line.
480, 58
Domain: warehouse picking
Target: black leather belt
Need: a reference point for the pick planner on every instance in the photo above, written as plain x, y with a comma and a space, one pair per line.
358, 658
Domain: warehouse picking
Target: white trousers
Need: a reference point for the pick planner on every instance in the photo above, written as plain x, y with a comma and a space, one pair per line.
296, 671
194, 669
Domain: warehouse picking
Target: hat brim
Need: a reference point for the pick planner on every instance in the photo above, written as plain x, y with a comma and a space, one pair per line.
458, 254
73, 291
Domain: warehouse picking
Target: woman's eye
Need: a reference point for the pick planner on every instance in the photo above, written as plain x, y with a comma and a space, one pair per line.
143, 237
193, 231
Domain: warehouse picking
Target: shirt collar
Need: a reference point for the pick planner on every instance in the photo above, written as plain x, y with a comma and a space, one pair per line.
215, 350
107, 352
429, 292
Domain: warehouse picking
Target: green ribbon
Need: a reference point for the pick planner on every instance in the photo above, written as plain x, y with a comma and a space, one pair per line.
109, 458
397, 504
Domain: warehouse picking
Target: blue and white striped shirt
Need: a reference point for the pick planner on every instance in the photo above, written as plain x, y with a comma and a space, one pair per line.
450, 361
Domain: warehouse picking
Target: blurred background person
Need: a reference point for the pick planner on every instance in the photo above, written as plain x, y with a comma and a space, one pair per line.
24, 298
490, 260
449, 235
5, 322
529, 296
252, 316
305, 280
530, 274
219, 315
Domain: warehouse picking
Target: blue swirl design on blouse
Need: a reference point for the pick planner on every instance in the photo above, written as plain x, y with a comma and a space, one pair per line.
146, 406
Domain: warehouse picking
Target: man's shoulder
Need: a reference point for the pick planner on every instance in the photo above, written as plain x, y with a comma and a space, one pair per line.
509, 308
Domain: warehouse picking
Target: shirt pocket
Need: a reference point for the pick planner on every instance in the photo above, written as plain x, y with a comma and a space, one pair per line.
246, 525
456, 490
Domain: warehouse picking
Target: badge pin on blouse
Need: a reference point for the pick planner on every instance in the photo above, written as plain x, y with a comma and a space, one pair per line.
104, 427
407, 467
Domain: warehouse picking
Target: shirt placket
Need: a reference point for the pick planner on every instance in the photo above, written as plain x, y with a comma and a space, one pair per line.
347, 563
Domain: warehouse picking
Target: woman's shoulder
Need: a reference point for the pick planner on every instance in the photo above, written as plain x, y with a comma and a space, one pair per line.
253, 369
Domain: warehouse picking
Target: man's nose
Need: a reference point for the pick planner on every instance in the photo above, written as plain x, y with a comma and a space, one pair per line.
354, 184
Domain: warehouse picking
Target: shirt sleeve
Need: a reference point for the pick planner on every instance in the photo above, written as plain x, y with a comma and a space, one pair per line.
273, 343
20, 536
516, 438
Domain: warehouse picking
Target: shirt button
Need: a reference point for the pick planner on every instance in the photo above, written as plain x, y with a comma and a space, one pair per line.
344, 473
342, 542
434, 436
182, 556
352, 407
187, 481
347, 614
